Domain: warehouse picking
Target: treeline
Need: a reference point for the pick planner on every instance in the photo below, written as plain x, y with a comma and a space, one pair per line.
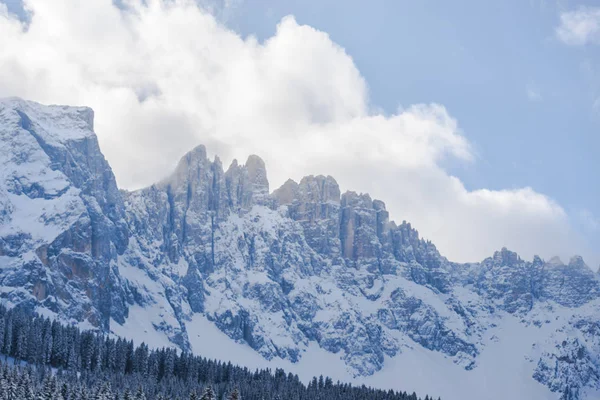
44, 359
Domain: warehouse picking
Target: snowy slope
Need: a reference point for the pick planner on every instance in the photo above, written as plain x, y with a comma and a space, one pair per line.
305, 278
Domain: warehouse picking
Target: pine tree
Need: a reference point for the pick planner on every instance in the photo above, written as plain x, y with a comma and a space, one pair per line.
140, 395
234, 395
104, 392
11, 392
208, 394
2, 331
47, 392
47, 343
8, 337
64, 390
28, 393
82, 394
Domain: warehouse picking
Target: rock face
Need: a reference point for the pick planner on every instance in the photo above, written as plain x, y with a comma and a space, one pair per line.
305, 265
568, 370
63, 216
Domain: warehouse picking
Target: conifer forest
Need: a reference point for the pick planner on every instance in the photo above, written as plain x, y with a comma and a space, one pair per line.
43, 359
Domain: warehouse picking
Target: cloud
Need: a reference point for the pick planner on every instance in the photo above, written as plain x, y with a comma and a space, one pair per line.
164, 76
589, 220
596, 105
532, 93
580, 27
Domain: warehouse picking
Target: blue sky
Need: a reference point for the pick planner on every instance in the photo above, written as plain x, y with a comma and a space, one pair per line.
524, 97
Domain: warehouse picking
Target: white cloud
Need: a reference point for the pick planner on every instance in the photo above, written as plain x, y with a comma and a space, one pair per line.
580, 27
166, 76
589, 220
532, 93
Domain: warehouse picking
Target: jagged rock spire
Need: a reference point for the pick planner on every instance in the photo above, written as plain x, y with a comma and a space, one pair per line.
257, 176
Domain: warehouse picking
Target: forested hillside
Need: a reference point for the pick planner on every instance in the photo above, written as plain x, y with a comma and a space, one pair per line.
46, 360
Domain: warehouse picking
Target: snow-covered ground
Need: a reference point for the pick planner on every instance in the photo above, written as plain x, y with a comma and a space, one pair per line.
504, 368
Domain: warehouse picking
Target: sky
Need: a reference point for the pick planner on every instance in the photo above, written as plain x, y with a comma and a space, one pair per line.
478, 122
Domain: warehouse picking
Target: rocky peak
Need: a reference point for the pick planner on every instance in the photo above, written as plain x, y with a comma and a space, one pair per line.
357, 201
359, 227
577, 262
203, 185
60, 143
406, 243
257, 176
287, 193
319, 189
190, 169
257, 172
379, 205
55, 124
409, 234
247, 185
506, 257
314, 203
238, 189
426, 265
312, 189
74, 228
555, 262
571, 285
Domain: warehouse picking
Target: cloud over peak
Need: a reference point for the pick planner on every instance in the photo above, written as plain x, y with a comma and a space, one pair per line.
165, 76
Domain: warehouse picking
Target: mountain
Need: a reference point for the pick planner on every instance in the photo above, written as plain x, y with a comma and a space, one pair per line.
305, 277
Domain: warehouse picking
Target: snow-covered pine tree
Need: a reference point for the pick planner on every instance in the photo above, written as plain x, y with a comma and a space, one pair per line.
2, 327
209, 394
48, 391
127, 395
7, 348
140, 395
234, 395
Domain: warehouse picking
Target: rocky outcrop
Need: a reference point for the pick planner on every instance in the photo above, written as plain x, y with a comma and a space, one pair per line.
516, 285
63, 216
568, 370
315, 204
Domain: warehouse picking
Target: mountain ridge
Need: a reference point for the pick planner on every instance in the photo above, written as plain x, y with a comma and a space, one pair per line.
280, 272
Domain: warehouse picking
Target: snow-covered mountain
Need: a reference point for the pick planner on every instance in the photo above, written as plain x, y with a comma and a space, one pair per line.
305, 277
